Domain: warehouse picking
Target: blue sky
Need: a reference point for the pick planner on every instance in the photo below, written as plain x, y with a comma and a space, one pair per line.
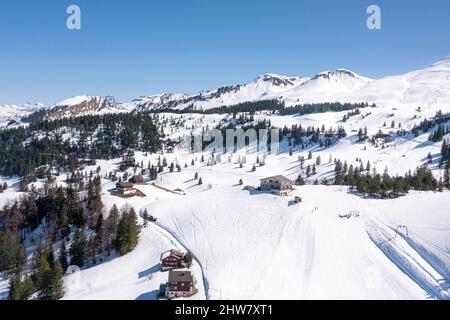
142, 47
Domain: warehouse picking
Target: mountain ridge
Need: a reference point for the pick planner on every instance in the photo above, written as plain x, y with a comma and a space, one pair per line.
423, 87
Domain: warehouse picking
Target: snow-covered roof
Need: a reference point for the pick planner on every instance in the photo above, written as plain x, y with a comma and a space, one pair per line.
171, 253
278, 178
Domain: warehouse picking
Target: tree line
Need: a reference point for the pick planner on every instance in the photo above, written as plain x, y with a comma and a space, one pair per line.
273, 106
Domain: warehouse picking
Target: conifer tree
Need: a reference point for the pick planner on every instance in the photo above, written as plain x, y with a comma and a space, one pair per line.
78, 248
127, 232
63, 261
54, 284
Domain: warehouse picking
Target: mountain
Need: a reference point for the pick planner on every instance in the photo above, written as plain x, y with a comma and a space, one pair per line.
425, 88
326, 86
86, 105
259, 89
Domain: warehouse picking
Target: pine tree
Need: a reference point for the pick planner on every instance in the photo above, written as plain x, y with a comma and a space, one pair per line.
92, 250
299, 181
12, 252
308, 170
187, 260
41, 268
78, 248
111, 228
430, 158
127, 232
20, 289
63, 261
447, 177
54, 285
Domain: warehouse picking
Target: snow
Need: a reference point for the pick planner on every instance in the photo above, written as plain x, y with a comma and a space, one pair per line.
253, 245
73, 101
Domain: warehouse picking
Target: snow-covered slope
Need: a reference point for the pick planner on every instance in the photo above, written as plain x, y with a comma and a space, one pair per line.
425, 87
15, 112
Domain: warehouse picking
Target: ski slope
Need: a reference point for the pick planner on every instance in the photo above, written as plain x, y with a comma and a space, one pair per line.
259, 246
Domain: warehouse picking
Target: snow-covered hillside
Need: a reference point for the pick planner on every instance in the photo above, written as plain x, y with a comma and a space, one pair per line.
252, 245
16, 112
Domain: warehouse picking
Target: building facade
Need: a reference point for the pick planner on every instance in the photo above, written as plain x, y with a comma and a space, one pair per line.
180, 284
279, 185
125, 188
171, 259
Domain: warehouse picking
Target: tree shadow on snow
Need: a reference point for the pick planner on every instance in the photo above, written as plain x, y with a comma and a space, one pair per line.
149, 271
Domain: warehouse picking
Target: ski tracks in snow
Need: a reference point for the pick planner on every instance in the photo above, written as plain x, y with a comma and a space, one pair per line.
408, 260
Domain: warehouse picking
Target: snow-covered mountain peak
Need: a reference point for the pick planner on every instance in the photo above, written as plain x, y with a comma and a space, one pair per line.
84, 105
279, 80
340, 74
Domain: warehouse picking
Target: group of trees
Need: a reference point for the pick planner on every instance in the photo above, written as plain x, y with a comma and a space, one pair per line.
351, 114
300, 136
322, 108
71, 215
59, 206
45, 277
385, 186
437, 121
23, 150
439, 133
445, 162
